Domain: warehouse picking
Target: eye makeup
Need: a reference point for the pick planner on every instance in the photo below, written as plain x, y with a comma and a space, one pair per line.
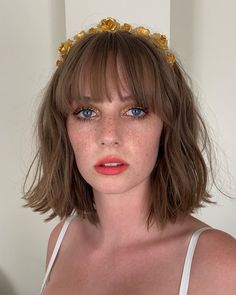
90, 109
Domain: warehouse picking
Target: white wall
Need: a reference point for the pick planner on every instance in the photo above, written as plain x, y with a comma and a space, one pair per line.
203, 34
154, 13
30, 34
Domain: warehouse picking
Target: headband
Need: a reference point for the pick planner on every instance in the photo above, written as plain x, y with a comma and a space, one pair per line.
111, 25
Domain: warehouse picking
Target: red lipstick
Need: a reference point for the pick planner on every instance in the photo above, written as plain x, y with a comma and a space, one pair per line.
111, 165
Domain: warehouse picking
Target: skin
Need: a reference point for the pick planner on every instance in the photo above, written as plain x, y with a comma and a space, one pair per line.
113, 129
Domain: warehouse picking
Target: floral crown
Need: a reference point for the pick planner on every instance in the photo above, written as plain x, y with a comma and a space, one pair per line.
111, 25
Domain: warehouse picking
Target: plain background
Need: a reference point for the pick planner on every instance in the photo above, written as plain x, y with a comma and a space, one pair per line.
202, 35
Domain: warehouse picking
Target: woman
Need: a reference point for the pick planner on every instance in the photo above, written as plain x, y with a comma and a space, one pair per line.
121, 161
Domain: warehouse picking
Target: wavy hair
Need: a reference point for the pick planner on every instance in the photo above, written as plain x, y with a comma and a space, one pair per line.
180, 178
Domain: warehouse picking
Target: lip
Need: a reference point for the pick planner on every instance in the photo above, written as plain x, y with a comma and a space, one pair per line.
110, 170
110, 159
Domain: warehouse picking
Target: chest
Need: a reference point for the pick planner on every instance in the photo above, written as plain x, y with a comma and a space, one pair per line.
140, 272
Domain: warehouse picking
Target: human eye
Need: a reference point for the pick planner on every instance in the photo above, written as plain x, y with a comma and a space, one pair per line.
137, 112
84, 113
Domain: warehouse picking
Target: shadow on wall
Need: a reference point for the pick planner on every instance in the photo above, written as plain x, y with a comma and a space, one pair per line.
58, 25
6, 287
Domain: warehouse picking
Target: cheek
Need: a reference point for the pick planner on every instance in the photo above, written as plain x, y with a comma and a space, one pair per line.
151, 133
81, 143
145, 145
151, 146
74, 131
82, 150
80, 140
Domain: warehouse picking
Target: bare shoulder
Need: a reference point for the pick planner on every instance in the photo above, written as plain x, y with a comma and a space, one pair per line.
220, 244
215, 261
52, 240
73, 229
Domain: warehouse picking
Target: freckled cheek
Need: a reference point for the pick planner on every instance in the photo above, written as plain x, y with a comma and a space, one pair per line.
144, 145
83, 152
150, 147
80, 140
152, 141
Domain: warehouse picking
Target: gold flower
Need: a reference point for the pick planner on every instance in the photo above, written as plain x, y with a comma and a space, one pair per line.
109, 24
142, 31
163, 41
93, 30
79, 36
59, 61
126, 27
160, 40
65, 47
170, 58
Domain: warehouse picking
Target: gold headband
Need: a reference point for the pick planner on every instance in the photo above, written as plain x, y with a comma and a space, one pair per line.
111, 25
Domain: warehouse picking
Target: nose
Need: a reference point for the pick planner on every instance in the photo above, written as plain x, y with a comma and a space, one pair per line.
109, 131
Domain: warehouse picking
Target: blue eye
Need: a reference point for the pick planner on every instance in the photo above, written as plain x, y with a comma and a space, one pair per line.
86, 112
136, 112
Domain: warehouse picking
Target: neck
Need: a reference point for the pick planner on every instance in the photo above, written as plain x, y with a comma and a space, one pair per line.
122, 218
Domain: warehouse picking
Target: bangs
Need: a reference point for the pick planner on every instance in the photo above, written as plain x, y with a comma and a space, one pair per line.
106, 62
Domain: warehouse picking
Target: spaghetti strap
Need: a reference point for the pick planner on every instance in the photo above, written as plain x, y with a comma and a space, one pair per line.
188, 261
187, 264
56, 249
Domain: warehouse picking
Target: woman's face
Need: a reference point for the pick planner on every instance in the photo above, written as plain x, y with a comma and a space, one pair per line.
117, 129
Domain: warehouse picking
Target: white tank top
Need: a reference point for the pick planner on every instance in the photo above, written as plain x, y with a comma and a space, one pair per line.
187, 264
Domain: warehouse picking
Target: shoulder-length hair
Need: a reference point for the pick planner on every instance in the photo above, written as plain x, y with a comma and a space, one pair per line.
180, 177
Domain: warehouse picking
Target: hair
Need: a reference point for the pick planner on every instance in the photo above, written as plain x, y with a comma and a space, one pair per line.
180, 178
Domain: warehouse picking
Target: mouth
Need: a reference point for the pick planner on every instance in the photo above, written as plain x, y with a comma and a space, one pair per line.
110, 161
111, 168
111, 165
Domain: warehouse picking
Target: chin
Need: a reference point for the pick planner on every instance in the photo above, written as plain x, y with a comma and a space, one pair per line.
111, 185
106, 188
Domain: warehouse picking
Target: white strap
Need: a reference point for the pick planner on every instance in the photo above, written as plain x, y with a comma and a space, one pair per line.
188, 261
56, 249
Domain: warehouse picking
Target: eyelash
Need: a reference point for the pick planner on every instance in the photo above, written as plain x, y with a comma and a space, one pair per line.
92, 109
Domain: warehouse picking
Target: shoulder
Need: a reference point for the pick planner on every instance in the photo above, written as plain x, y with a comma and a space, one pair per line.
218, 244
215, 261
54, 237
